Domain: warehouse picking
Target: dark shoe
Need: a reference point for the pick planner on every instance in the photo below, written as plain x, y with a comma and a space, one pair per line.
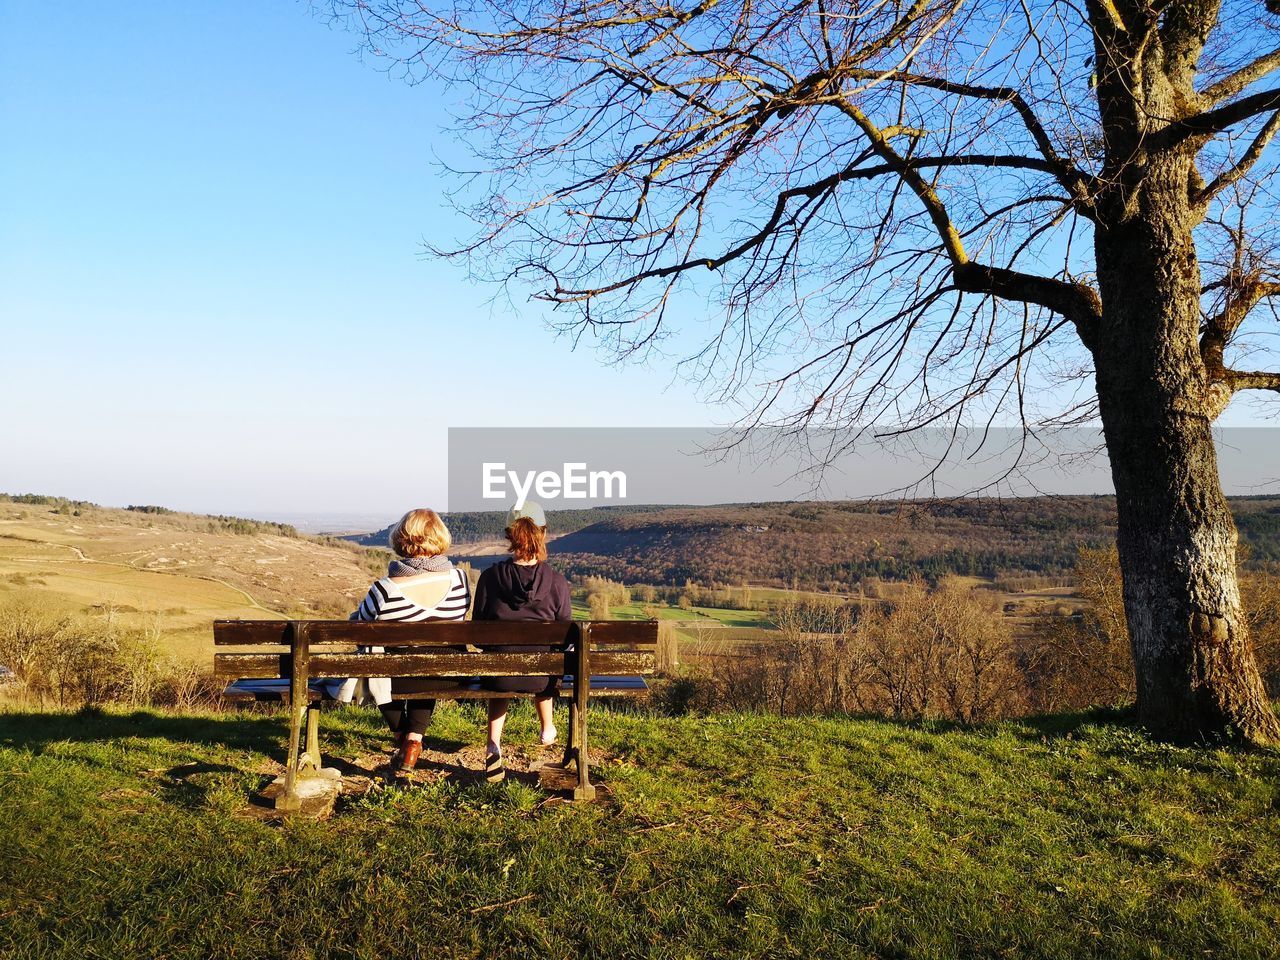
495, 771
397, 751
410, 754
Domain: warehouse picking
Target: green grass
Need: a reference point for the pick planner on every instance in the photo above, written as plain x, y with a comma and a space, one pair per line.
729, 836
712, 615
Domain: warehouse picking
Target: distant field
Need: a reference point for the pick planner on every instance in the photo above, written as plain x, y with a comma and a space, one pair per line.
169, 571
706, 631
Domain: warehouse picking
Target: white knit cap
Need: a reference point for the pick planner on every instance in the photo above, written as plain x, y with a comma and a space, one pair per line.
531, 510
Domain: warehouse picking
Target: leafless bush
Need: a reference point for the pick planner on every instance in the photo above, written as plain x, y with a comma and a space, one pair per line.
668, 650
1084, 659
70, 661
1260, 591
598, 604
811, 665
27, 632
945, 652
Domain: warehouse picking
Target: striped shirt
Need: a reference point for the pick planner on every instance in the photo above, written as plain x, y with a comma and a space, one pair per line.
385, 601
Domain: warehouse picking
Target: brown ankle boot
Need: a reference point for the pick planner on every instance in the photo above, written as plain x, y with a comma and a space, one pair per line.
409, 756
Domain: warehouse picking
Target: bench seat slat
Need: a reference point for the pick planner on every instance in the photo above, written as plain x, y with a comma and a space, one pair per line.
253, 633
641, 633
327, 665
277, 690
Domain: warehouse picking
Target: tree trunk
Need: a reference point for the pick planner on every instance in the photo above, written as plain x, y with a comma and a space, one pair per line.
1196, 675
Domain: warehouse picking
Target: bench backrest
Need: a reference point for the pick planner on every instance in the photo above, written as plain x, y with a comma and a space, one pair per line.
326, 648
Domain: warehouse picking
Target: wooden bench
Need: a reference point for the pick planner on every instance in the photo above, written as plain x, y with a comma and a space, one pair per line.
436, 660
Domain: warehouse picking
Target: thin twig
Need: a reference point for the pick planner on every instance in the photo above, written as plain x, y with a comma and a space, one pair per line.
505, 903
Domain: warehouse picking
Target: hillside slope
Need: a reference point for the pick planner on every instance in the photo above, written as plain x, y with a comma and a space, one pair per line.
128, 835
172, 570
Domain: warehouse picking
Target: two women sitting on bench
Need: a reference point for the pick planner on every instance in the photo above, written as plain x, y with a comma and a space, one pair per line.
422, 584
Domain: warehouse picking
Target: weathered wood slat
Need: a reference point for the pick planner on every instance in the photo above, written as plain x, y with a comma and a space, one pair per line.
479, 633
482, 633
327, 665
638, 632
436, 664
459, 690
250, 633
252, 666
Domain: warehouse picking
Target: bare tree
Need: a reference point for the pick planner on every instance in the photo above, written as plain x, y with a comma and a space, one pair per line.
913, 212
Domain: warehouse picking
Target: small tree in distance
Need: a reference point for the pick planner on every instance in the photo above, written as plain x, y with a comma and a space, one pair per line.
915, 212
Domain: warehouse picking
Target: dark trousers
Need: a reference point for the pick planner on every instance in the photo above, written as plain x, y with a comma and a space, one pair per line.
408, 716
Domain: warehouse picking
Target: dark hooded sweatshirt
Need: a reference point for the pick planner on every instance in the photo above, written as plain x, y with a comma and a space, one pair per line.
511, 591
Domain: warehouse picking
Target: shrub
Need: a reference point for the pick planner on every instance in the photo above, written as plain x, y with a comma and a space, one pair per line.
1260, 593
668, 649
1084, 660
943, 652
74, 661
598, 603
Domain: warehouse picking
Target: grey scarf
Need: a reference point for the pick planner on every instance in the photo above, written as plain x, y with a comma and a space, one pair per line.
412, 566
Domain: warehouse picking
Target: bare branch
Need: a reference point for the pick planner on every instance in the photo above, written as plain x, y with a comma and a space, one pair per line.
1246, 162
1212, 122
1237, 82
1243, 295
810, 191
1080, 185
1077, 302
1073, 301
1255, 380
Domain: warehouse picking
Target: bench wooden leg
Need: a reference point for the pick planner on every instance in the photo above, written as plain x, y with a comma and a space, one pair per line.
290, 799
309, 762
578, 712
569, 751
584, 790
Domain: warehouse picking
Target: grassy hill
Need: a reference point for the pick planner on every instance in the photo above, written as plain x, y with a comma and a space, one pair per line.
132, 835
154, 568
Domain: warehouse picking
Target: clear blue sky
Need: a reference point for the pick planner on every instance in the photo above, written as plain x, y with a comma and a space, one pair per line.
211, 281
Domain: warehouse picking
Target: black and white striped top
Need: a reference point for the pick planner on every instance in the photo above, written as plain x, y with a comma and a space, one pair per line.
384, 601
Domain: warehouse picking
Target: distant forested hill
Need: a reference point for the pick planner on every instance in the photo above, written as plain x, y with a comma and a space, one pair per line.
480, 525
836, 545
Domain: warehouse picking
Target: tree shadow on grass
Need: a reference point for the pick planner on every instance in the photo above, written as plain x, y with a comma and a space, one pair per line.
1053, 726
189, 784
36, 731
1038, 727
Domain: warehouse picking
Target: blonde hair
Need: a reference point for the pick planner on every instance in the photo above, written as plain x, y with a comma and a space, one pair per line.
420, 533
528, 540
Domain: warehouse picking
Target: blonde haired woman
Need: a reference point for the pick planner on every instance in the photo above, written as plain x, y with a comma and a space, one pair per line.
521, 588
421, 584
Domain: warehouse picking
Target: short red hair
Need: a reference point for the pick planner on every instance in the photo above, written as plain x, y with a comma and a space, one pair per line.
528, 540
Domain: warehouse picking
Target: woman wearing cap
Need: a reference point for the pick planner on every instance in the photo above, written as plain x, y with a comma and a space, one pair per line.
521, 588
421, 584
